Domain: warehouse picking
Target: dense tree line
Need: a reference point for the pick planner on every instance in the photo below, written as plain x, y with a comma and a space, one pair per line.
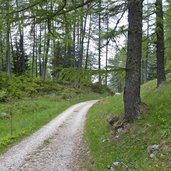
77, 41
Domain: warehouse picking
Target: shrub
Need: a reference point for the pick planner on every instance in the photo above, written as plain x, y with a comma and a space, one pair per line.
3, 95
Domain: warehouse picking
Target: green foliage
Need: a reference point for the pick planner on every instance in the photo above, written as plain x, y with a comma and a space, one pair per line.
97, 88
75, 76
24, 86
130, 147
3, 95
117, 80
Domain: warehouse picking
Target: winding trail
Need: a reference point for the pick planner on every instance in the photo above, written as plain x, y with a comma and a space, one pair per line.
51, 148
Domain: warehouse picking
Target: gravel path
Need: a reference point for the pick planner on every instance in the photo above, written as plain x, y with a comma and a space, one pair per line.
52, 148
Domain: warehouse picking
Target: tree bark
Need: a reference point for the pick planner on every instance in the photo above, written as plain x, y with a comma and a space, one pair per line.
8, 41
40, 51
107, 47
160, 43
132, 98
34, 44
99, 41
88, 44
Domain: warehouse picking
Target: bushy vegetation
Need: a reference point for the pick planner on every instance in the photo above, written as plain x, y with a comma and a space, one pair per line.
18, 87
130, 146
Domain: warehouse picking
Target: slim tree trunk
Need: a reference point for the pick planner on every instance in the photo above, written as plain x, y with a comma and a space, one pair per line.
160, 43
132, 98
45, 60
88, 44
107, 49
34, 44
8, 52
147, 51
99, 41
40, 51
36, 54
74, 41
8, 41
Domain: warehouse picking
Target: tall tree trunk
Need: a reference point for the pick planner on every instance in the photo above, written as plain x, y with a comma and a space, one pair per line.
8, 51
40, 51
23, 61
36, 58
107, 49
74, 41
147, 48
99, 41
8, 41
160, 43
45, 60
34, 44
1, 52
88, 44
46, 51
132, 98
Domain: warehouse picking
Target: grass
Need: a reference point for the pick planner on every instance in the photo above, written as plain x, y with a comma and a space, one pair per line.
30, 114
153, 127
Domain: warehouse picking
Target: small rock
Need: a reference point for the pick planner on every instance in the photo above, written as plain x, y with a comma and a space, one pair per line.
152, 155
4, 115
104, 140
108, 166
120, 130
112, 169
153, 148
117, 94
162, 155
116, 164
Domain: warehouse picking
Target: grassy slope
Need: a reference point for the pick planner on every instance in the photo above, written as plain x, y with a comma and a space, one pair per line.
154, 127
31, 113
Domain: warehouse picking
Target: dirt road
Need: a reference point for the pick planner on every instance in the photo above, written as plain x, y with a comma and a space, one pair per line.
52, 148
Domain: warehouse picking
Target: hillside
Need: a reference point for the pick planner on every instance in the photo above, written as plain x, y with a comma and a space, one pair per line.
143, 145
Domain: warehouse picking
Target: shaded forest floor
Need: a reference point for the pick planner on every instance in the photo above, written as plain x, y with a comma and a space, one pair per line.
143, 145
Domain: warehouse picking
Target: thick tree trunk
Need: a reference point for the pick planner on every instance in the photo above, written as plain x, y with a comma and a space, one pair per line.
132, 98
160, 43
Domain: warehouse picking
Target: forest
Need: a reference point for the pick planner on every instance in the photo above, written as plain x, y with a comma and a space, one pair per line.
85, 42
82, 50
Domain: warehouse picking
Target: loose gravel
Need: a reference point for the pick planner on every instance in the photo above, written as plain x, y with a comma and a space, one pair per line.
52, 148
